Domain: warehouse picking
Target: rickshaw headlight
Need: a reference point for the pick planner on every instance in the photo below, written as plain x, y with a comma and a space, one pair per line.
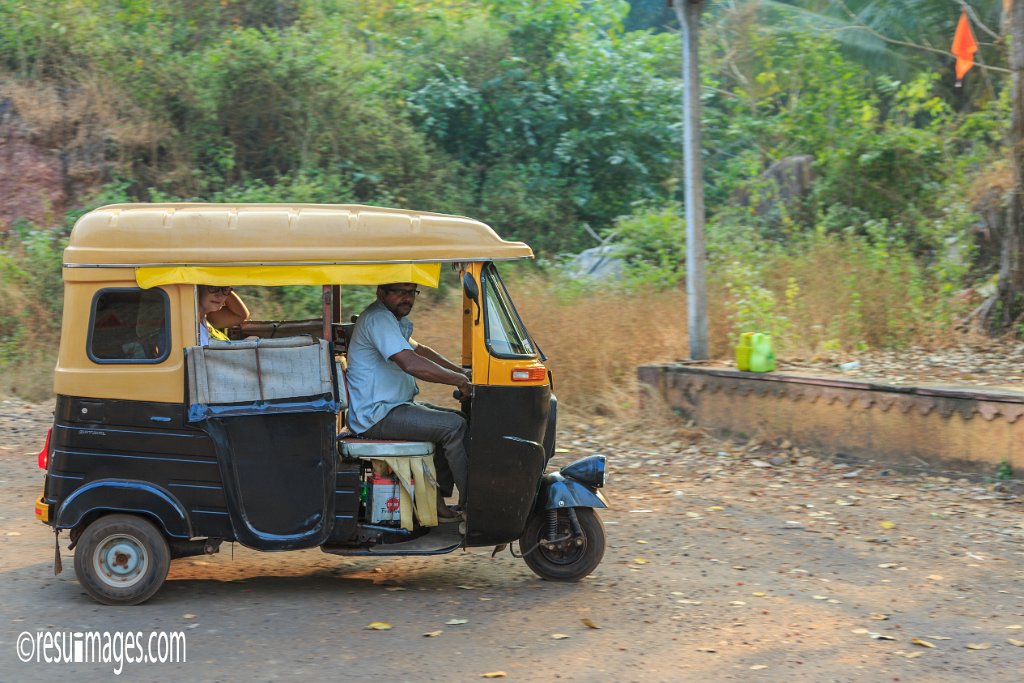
589, 470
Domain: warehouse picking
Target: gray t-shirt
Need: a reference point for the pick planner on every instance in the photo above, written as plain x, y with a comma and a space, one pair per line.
376, 384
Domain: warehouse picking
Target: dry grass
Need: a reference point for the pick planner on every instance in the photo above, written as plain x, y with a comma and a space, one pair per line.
31, 377
594, 342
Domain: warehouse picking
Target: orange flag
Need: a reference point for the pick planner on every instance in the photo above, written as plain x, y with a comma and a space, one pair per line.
963, 48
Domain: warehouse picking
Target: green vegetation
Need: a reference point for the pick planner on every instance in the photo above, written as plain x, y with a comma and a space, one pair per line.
539, 117
1004, 472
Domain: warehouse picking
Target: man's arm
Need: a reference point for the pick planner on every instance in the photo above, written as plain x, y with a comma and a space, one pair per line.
433, 356
428, 370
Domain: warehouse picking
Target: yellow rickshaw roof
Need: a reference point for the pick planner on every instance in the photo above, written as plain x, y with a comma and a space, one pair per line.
194, 234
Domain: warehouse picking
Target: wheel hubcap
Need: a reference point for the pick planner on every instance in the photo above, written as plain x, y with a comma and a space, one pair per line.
120, 561
566, 552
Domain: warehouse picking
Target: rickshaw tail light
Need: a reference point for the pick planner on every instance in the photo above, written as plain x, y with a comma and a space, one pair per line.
529, 374
43, 459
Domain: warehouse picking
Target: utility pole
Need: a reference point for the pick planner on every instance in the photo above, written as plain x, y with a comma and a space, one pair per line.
688, 12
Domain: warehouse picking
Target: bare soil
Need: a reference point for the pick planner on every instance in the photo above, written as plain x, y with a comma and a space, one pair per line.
747, 562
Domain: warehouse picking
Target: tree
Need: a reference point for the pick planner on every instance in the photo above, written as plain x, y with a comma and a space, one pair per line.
1006, 308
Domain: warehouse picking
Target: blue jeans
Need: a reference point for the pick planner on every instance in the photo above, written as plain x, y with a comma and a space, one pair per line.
444, 427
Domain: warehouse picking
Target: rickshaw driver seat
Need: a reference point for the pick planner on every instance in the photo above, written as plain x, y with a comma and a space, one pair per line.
405, 458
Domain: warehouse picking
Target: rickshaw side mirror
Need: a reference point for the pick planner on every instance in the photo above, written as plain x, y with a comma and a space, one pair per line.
472, 292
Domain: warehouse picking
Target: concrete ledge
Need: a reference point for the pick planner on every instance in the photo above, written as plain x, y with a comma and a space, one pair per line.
961, 428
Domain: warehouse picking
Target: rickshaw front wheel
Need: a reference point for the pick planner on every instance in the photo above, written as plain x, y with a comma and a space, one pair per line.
122, 559
569, 561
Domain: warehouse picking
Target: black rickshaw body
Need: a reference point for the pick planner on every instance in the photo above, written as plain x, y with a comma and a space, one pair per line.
162, 448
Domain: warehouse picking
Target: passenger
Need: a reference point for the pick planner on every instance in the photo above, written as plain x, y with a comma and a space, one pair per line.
219, 307
384, 362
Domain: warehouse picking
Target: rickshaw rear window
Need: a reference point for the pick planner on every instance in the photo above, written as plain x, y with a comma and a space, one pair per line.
506, 336
129, 326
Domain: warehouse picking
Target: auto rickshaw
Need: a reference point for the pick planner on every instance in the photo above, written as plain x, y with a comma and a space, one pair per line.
161, 448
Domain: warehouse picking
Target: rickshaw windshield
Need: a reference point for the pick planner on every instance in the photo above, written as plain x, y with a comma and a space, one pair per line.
505, 334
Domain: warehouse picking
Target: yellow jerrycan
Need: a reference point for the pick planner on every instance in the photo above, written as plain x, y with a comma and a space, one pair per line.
743, 351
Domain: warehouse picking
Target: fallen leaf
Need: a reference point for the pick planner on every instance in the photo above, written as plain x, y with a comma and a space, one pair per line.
860, 631
494, 674
467, 588
639, 560
14, 533
706, 649
1014, 626
979, 646
758, 667
714, 508
589, 624
758, 594
392, 589
456, 622
911, 655
641, 541
379, 626
188, 616
881, 636
1015, 642
934, 577
922, 643
559, 636
739, 567
887, 565
940, 637
878, 616
886, 524
737, 603
820, 597
432, 634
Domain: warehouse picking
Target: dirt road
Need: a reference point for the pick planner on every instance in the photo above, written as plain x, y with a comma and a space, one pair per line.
746, 563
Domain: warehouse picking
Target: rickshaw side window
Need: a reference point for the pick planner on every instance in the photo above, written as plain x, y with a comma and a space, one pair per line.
129, 326
504, 332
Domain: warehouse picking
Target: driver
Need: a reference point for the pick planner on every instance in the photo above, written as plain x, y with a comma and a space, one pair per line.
384, 362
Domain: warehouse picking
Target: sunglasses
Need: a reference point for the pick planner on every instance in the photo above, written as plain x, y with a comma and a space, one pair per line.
219, 290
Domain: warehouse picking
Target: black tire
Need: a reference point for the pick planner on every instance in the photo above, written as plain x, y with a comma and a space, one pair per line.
122, 559
564, 565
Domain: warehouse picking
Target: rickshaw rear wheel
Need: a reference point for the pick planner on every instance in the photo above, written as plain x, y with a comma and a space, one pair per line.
122, 559
570, 563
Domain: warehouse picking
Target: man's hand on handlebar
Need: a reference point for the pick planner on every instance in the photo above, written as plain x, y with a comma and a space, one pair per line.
463, 392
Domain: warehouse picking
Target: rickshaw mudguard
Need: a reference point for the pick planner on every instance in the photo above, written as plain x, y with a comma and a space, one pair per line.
558, 491
125, 495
